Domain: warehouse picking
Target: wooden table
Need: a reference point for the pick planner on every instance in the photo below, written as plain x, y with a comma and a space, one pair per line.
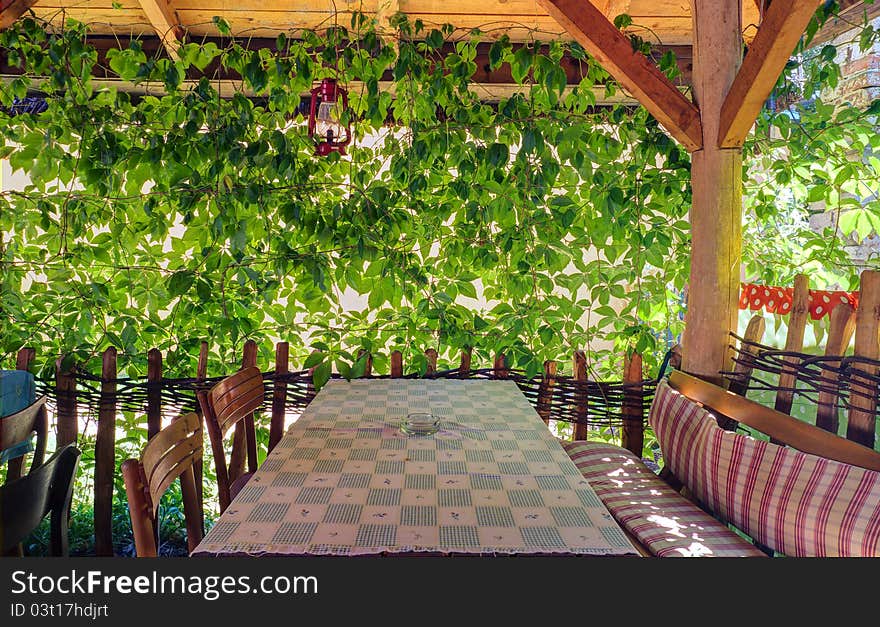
345, 481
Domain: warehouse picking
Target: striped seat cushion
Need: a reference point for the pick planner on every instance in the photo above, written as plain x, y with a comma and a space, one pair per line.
662, 520
798, 504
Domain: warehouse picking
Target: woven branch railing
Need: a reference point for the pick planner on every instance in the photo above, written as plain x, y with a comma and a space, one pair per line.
836, 385
588, 403
77, 397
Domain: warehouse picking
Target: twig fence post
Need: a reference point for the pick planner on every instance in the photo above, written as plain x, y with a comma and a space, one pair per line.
279, 393
105, 456
154, 392
67, 426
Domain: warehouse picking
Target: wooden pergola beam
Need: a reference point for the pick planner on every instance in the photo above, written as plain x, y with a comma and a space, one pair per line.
784, 24
165, 24
633, 70
11, 10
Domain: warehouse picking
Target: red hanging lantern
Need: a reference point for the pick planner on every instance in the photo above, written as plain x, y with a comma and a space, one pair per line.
325, 114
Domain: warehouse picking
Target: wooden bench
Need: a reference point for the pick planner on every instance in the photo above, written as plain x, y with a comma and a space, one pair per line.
817, 494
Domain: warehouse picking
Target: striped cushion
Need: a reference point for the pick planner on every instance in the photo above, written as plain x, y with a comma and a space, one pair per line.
662, 520
798, 504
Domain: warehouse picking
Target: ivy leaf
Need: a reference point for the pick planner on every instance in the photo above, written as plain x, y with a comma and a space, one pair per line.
180, 282
521, 63
321, 375
221, 25
313, 360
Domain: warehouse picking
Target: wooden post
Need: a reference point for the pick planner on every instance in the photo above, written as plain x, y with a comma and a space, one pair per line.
66, 419
843, 323
861, 422
500, 370
742, 372
465, 367
396, 364
241, 444
24, 358
716, 210
431, 359
154, 392
794, 342
202, 368
581, 397
105, 457
633, 435
279, 393
545, 390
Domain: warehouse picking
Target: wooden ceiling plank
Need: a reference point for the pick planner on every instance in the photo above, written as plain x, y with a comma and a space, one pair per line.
613, 8
633, 70
783, 25
166, 24
226, 88
11, 11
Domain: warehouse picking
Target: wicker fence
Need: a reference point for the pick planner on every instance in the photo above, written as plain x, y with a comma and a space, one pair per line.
77, 396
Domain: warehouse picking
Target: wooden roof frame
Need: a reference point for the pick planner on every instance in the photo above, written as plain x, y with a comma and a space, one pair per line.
632, 69
167, 26
11, 10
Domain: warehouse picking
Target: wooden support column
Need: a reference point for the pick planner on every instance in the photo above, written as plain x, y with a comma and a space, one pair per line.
716, 211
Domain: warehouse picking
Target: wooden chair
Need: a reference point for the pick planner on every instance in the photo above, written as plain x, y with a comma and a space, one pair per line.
17, 432
25, 502
168, 455
232, 402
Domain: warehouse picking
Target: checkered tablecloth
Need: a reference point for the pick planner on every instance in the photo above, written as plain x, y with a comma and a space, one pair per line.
344, 480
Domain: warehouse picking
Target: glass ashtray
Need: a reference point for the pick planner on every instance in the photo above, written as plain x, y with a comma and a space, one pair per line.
420, 423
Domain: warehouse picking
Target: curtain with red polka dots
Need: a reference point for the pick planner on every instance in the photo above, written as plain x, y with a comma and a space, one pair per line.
778, 299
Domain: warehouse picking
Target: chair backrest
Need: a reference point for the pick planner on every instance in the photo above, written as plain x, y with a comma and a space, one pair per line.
17, 433
232, 402
781, 427
26, 501
168, 455
815, 494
